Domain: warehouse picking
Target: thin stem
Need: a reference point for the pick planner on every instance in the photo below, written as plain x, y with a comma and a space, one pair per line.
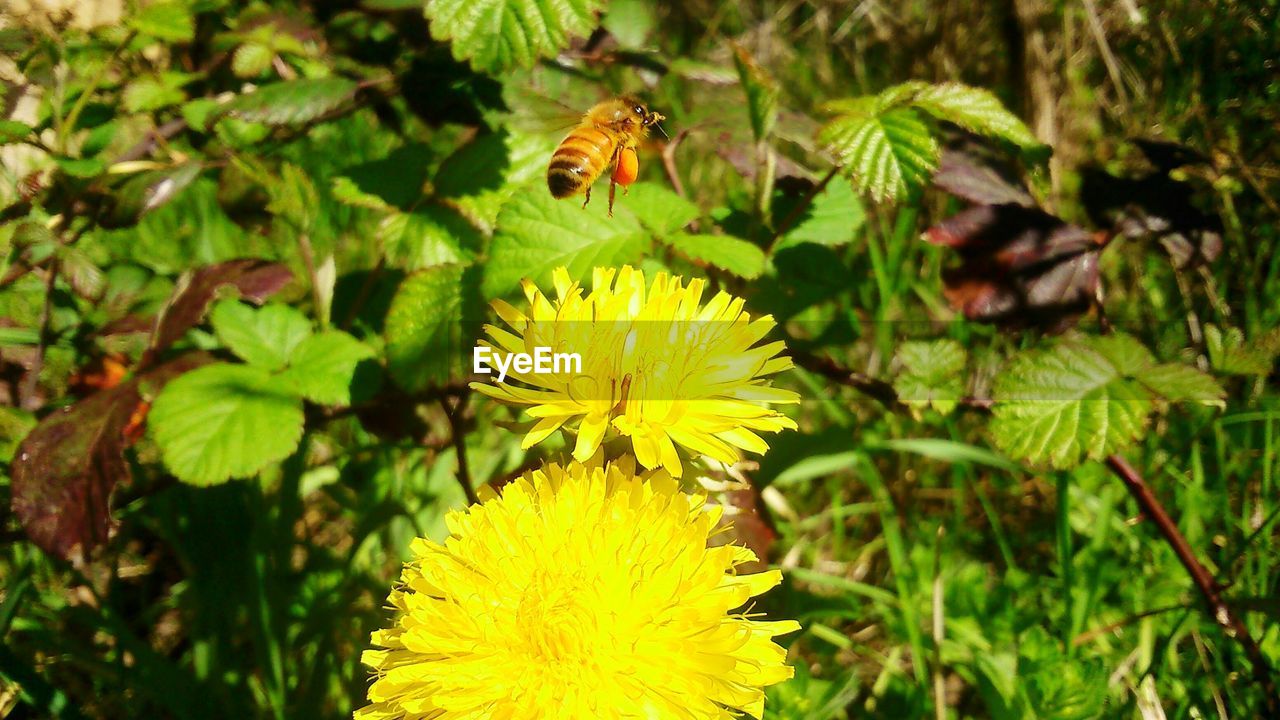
798, 210
68, 124
1209, 588
459, 437
867, 385
31, 383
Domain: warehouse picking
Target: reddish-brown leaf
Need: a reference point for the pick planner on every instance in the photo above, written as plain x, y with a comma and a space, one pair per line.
255, 279
66, 468
960, 175
1019, 265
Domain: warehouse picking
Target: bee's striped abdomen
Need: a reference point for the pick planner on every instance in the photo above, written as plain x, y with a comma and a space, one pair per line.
579, 160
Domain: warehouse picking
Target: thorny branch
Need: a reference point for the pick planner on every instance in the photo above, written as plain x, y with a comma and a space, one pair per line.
1210, 589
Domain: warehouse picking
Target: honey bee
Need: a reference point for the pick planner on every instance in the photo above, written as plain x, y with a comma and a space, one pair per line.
606, 137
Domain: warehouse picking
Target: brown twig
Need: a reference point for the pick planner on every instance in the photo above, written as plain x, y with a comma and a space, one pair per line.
1209, 588
867, 385
669, 161
459, 437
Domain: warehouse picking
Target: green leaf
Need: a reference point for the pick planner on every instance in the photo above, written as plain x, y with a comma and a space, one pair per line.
252, 59
630, 22
322, 366
887, 155
537, 233
1086, 398
762, 92
188, 231
429, 236
154, 92
426, 329
294, 197
931, 374
224, 421
12, 131
264, 336
726, 252
294, 102
660, 210
832, 219
1229, 353
480, 177
498, 35
168, 21
975, 110
82, 167
1182, 383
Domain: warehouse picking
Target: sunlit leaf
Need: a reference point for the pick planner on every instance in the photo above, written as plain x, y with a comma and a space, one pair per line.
537, 233
428, 326
974, 109
497, 35
886, 155
931, 374
726, 252
225, 421
293, 102
1086, 398
264, 336
321, 367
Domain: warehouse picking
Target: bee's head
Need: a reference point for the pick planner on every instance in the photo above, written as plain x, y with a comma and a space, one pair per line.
638, 112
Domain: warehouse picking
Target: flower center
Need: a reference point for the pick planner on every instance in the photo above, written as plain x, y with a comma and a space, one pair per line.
554, 623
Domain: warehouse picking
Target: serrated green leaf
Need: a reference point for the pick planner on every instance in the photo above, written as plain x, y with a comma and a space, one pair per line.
1229, 353
497, 35
1078, 399
264, 336
294, 102
537, 233
168, 21
931, 374
322, 365
659, 209
723, 251
429, 236
426, 326
12, 131
833, 217
974, 109
252, 59
886, 155
1182, 383
224, 421
294, 197
396, 180
481, 176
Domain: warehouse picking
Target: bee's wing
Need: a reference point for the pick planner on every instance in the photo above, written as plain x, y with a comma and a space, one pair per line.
534, 112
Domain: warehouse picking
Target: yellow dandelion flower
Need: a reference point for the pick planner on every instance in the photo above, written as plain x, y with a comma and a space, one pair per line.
656, 365
580, 593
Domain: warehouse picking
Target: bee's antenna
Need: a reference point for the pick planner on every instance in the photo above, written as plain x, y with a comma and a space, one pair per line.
664, 132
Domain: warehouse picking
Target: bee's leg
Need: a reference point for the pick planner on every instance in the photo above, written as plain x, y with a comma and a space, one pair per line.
584, 202
612, 187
